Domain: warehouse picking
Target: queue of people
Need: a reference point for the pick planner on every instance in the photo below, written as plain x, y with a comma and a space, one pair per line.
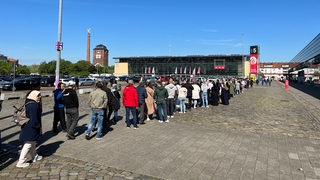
142, 103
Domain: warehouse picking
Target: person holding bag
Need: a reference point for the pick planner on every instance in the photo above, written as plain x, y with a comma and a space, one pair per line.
31, 131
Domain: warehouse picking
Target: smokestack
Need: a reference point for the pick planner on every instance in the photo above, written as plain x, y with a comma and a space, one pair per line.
88, 46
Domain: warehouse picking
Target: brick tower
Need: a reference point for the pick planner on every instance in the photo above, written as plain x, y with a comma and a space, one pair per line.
100, 55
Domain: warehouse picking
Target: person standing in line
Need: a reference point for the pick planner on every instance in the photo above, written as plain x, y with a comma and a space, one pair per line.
150, 101
182, 95
131, 103
189, 95
32, 130
72, 109
142, 96
195, 94
160, 97
106, 124
115, 103
59, 113
204, 95
98, 102
172, 91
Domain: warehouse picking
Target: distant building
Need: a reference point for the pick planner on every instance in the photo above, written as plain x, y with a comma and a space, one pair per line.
3, 58
215, 65
276, 70
100, 55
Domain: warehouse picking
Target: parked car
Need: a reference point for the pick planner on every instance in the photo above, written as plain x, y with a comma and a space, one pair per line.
47, 81
28, 83
67, 81
86, 82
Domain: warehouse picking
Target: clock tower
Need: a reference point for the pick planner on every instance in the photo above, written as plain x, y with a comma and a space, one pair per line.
100, 55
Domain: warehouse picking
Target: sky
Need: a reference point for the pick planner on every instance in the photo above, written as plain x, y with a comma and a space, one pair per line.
281, 28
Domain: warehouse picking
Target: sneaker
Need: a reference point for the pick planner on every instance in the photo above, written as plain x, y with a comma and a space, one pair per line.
184, 112
207, 106
172, 116
98, 137
160, 121
23, 165
135, 127
37, 158
70, 137
87, 136
128, 127
180, 112
148, 119
167, 121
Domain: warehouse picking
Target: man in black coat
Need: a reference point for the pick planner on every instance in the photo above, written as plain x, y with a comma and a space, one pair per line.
142, 95
71, 103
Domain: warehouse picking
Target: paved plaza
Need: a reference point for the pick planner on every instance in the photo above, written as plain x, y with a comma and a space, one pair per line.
265, 133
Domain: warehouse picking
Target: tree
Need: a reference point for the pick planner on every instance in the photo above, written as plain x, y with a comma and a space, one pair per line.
22, 70
5, 67
34, 68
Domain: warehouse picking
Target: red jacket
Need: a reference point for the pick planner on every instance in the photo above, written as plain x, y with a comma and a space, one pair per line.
130, 96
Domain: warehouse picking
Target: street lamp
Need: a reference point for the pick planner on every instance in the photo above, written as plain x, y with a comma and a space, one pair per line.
59, 45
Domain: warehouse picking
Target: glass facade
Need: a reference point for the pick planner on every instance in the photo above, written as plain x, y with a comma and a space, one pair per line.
230, 65
310, 53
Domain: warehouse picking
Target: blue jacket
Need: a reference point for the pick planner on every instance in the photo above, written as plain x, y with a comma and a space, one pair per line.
142, 94
31, 131
58, 98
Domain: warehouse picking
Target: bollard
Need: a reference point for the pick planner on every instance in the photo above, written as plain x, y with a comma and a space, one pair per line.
286, 86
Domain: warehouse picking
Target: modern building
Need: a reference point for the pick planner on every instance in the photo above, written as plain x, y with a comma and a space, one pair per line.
100, 56
308, 60
222, 65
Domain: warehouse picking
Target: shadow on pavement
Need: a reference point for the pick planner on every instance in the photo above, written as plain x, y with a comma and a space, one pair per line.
308, 89
49, 149
7, 158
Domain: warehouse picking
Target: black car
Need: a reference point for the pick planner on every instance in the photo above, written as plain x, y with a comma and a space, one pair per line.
47, 81
28, 83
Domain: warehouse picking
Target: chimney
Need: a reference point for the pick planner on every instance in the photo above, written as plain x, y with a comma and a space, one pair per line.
88, 46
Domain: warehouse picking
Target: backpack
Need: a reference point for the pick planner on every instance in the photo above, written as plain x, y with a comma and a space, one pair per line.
19, 114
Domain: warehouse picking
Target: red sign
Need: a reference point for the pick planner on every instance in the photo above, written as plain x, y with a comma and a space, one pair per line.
253, 63
219, 67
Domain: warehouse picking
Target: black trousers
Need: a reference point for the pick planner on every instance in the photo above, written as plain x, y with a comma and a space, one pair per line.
59, 116
72, 119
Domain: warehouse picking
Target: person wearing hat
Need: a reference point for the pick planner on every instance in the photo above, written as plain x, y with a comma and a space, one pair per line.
31, 131
71, 103
130, 102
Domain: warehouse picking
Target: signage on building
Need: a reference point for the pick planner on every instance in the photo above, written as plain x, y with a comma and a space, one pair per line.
219, 67
254, 57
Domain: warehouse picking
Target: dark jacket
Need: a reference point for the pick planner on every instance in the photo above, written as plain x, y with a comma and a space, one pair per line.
189, 88
142, 94
70, 98
115, 100
160, 94
31, 131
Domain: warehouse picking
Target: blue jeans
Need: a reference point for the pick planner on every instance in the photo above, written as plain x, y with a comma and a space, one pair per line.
134, 114
162, 110
204, 97
96, 114
182, 104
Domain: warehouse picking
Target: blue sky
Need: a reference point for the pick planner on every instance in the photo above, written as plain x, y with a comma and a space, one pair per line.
29, 28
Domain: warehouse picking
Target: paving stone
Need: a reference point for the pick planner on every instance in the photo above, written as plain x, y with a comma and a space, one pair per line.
265, 133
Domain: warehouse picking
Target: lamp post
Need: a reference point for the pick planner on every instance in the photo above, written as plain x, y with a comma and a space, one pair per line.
59, 45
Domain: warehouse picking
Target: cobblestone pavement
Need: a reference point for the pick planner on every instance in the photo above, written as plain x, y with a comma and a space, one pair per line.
265, 133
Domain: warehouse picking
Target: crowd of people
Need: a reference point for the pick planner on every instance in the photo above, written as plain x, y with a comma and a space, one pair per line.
142, 103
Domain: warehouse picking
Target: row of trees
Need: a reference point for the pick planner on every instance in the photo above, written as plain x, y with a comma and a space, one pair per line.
80, 68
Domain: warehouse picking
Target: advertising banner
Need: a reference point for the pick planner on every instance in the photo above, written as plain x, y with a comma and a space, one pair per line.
254, 57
